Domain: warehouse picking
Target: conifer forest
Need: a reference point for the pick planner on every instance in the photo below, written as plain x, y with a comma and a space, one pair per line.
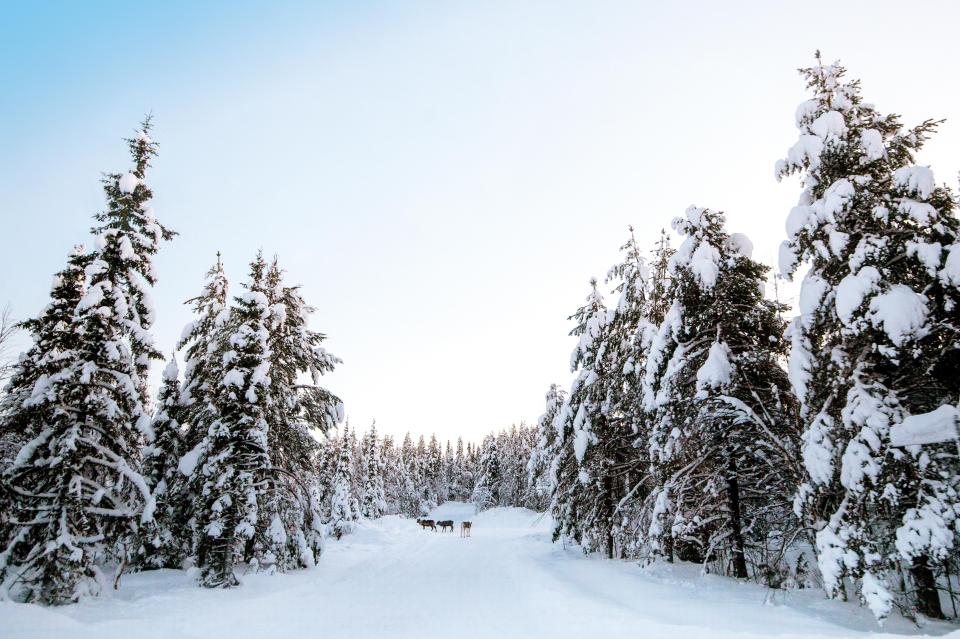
739, 448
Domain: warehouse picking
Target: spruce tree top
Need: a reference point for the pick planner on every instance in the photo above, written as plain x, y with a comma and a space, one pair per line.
860, 184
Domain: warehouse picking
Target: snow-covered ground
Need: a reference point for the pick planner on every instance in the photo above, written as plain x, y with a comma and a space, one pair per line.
391, 579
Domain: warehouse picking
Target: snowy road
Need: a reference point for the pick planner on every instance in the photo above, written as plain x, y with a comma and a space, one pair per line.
391, 579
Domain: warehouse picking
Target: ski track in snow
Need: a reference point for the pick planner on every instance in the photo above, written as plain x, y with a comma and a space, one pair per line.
391, 579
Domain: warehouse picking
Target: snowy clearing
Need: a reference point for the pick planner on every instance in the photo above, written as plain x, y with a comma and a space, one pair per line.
391, 579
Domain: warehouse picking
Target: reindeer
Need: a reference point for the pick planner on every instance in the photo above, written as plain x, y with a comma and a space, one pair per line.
427, 523
447, 523
465, 528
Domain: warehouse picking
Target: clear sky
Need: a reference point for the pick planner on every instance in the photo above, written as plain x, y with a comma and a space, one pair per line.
443, 178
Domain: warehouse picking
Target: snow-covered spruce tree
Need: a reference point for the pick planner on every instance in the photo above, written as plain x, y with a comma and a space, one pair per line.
343, 506
290, 530
629, 335
724, 431
486, 491
54, 337
356, 468
421, 477
545, 450
660, 293
373, 502
514, 446
657, 508
80, 471
587, 493
449, 461
433, 473
297, 350
507, 449
564, 479
469, 475
165, 542
565, 472
392, 471
409, 479
325, 466
130, 236
458, 490
25, 405
642, 313
876, 341
234, 467
203, 342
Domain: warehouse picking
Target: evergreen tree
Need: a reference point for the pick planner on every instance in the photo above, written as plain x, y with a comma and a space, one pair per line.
876, 341
660, 293
457, 479
235, 455
356, 469
469, 470
586, 496
723, 436
373, 504
446, 479
514, 447
25, 403
539, 467
202, 340
130, 236
486, 491
165, 542
630, 334
409, 471
343, 511
644, 298
284, 496
433, 473
393, 475
289, 523
325, 463
421, 476
615, 470
81, 469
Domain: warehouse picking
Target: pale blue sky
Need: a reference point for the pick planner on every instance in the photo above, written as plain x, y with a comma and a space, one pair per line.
443, 178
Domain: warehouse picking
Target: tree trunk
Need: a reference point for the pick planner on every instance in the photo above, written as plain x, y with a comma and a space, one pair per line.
608, 506
928, 597
733, 492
